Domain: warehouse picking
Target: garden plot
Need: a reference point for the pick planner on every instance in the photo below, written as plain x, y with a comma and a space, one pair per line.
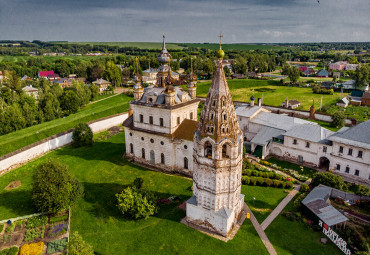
42, 234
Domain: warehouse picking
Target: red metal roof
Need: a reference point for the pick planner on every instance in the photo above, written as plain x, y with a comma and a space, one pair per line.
46, 73
302, 68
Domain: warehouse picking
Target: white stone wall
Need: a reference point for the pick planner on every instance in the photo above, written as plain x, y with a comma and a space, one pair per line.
169, 117
35, 151
174, 151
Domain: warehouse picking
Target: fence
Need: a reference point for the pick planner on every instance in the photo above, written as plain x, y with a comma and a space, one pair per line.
23, 155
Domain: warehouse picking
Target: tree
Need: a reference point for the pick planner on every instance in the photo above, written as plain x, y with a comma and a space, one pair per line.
329, 179
69, 102
338, 119
113, 73
54, 189
293, 74
94, 91
362, 76
227, 71
82, 135
77, 246
137, 203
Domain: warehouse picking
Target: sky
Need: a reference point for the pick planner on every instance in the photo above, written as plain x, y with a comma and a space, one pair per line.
240, 21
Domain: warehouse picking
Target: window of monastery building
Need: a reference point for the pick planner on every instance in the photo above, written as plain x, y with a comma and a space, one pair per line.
347, 169
300, 159
142, 138
151, 140
130, 134
151, 120
131, 148
162, 142
208, 149
307, 145
178, 120
225, 151
295, 141
191, 115
141, 118
357, 172
324, 148
359, 155
143, 153
350, 150
186, 163
162, 158
338, 167
185, 147
161, 122
340, 149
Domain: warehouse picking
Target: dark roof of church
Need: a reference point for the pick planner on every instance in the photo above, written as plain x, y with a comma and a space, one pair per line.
186, 130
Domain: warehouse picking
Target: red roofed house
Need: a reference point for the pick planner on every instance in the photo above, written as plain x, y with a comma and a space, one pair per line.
303, 68
50, 75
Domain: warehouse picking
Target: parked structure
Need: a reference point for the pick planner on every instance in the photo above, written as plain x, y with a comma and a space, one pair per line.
102, 84
31, 91
322, 73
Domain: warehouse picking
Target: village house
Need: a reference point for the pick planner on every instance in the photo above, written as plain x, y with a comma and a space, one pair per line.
291, 104
102, 84
309, 71
366, 99
349, 85
344, 102
341, 65
50, 75
63, 83
31, 91
356, 97
322, 73
26, 78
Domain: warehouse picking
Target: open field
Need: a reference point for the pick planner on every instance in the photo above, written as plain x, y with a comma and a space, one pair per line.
104, 172
141, 45
266, 199
273, 94
292, 237
18, 139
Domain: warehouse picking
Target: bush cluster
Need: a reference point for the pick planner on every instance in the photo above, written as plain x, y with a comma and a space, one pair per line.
31, 234
37, 221
9, 251
304, 187
82, 135
291, 172
60, 218
263, 174
259, 181
10, 228
57, 245
318, 90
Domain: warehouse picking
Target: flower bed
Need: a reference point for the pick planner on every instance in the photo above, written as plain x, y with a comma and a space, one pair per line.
9, 251
57, 230
291, 172
57, 245
259, 181
32, 249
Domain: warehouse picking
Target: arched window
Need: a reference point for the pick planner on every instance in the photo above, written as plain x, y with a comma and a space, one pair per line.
225, 151
186, 163
162, 158
143, 153
191, 115
208, 149
131, 148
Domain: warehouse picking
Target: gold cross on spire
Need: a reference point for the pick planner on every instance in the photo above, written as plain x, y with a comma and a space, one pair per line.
220, 36
137, 65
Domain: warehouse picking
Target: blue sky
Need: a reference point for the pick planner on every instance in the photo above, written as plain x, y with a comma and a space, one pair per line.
243, 21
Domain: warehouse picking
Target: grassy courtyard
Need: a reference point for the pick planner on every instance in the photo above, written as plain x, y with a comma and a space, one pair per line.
285, 164
104, 172
18, 139
266, 199
273, 94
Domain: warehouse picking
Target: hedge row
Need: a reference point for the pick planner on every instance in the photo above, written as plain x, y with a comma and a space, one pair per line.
263, 174
259, 181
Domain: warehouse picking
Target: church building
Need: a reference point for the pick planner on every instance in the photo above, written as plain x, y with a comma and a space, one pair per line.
159, 132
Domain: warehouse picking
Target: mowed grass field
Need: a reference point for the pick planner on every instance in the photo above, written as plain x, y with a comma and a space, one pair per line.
103, 173
49, 59
273, 94
236, 46
18, 139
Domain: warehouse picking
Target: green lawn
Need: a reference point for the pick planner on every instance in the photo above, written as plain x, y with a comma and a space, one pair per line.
16, 140
273, 94
237, 46
141, 45
285, 164
267, 199
104, 172
291, 237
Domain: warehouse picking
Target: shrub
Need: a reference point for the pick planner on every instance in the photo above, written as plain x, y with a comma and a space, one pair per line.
289, 185
54, 188
282, 184
10, 228
9, 251
268, 182
136, 203
138, 183
58, 218
304, 187
338, 119
77, 246
37, 221
32, 248
245, 180
253, 181
361, 190
275, 183
82, 135
260, 181
57, 245
328, 179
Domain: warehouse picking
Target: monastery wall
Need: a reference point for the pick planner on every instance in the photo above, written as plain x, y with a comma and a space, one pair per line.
23, 155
